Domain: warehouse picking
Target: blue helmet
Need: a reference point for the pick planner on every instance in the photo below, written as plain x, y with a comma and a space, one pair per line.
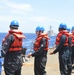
14, 23
68, 29
40, 28
73, 28
63, 25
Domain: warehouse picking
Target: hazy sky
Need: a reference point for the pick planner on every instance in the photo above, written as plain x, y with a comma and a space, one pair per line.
31, 13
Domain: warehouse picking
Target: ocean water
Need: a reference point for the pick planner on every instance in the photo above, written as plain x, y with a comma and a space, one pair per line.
28, 42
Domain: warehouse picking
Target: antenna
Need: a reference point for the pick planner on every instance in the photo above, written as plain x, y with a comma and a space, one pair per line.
50, 27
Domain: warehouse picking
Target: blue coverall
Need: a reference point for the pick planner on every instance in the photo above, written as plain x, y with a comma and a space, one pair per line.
65, 64
40, 59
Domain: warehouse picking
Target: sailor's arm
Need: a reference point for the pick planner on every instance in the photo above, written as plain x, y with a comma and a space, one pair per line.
59, 47
6, 45
41, 48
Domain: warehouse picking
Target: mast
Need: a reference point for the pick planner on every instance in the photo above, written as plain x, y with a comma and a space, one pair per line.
50, 27
50, 32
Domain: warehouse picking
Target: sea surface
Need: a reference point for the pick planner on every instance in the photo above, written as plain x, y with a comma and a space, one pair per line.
28, 42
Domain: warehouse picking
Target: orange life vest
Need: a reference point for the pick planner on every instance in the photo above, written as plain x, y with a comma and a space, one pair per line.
38, 40
72, 35
58, 38
18, 36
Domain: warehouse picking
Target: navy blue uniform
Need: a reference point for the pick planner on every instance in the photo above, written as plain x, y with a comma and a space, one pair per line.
40, 59
12, 60
64, 57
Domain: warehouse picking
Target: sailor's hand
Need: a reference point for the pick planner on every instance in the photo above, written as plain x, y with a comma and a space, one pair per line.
72, 45
29, 55
51, 53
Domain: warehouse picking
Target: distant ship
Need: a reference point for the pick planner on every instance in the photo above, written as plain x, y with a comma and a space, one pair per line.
51, 32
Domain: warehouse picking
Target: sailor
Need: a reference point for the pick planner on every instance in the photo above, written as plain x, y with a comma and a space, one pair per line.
11, 50
62, 41
40, 51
